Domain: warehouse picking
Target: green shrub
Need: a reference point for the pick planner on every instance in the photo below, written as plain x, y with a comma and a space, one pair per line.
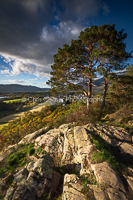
39, 150
105, 154
31, 149
15, 158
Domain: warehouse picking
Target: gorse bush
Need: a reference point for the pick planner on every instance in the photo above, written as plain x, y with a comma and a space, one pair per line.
54, 116
50, 115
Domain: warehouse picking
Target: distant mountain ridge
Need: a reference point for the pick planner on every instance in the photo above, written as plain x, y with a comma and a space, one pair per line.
20, 88
97, 86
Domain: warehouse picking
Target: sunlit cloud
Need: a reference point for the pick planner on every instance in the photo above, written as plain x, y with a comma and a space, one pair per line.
19, 66
5, 71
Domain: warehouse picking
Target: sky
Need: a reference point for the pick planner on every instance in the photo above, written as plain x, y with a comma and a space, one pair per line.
31, 31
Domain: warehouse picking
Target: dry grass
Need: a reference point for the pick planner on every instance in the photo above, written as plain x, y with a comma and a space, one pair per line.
21, 114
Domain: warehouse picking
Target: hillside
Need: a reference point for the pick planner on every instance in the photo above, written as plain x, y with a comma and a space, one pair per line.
64, 152
98, 85
21, 88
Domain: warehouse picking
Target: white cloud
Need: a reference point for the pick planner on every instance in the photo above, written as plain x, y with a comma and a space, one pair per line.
119, 71
5, 72
98, 77
44, 85
35, 79
22, 67
7, 58
19, 66
47, 35
63, 31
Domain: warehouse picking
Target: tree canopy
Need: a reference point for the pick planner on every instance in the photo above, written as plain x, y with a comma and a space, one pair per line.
99, 50
122, 87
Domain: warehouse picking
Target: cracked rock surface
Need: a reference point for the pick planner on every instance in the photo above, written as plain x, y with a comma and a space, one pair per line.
67, 169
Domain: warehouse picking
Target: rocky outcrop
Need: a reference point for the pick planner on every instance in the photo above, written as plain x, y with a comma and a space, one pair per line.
32, 181
31, 137
67, 168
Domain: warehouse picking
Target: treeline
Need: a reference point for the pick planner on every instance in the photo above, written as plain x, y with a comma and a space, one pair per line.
15, 106
19, 95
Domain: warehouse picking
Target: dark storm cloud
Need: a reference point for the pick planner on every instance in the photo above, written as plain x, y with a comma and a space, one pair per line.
18, 25
32, 30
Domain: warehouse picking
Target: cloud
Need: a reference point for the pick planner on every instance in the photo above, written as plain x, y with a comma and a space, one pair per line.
119, 71
98, 77
24, 66
32, 5
106, 9
63, 32
80, 9
5, 71
31, 31
35, 79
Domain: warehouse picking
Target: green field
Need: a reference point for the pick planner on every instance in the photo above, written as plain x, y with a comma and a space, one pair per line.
12, 100
17, 115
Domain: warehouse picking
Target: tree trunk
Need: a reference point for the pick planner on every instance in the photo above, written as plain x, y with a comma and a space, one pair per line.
104, 96
89, 93
88, 103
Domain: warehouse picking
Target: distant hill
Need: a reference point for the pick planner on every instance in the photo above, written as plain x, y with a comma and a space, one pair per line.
99, 82
21, 88
98, 85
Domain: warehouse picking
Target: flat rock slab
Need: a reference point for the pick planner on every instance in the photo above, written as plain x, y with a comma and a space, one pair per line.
30, 137
105, 174
117, 133
115, 194
81, 137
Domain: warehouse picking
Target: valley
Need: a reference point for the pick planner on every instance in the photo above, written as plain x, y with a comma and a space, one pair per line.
5, 120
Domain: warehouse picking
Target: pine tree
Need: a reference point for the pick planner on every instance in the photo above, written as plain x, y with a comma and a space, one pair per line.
99, 50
